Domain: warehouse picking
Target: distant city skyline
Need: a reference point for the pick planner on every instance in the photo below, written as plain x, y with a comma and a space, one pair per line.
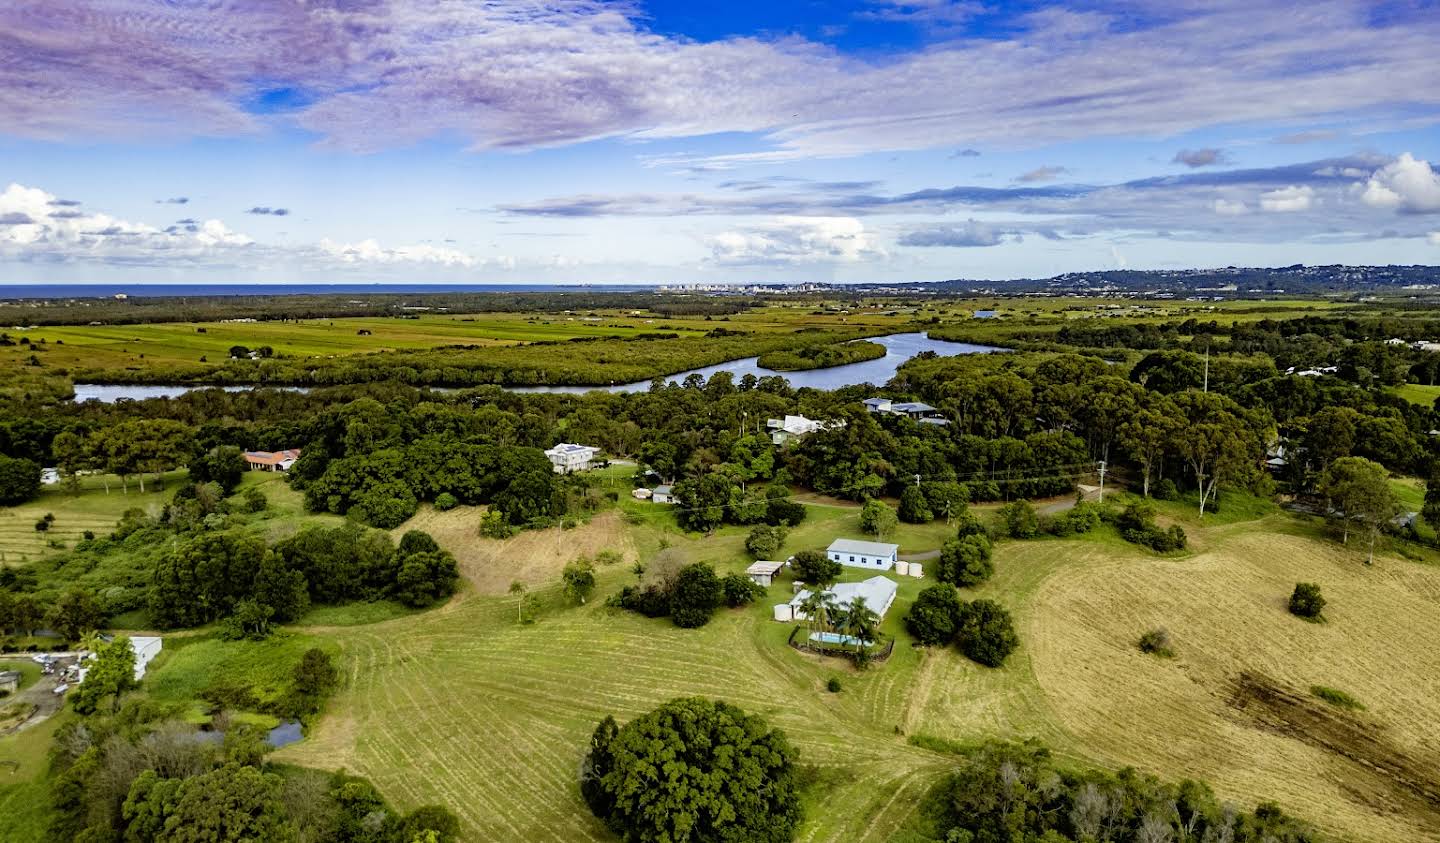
691, 141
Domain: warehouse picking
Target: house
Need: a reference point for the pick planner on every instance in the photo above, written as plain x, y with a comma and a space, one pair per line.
917, 410
860, 554
567, 458
662, 494
878, 593
146, 648
9, 681
272, 460
763, 572
783, 431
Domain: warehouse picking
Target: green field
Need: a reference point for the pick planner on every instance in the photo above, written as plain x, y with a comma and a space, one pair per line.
1417, 393
497, 715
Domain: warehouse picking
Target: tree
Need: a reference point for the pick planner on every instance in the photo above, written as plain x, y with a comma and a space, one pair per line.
1147, 435
764, 541
1213, 439
915, 507
223, 464
426, 578
860, 623
75, 613
578, 579
230, 803
965, 561
934, 614
985, 632
518, 589
312, 680
877, 519
19, 480
727, 776
1359, 490
284, 590
1021, 520
249, 619
815, 568
1306, 602
696, 595
73, 454
202, 579
111, 673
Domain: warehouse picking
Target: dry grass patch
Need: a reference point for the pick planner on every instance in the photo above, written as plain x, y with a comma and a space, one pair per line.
1231, 708
533, 557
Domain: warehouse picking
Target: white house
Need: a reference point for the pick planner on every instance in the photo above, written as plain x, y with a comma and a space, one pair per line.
146, 647
789, 428
662, 494
878, 592
876, 555
917, 410
567, 458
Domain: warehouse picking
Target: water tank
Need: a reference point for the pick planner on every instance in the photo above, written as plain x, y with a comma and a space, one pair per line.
917, 570
784, 612
902, 568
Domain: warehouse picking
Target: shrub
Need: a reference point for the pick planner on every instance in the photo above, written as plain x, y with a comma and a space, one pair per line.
985, 632
1020, 520
965, 562
253, 500
494, 526
1137, 526
764, 541
740, 590
1156, 642
19, 480
1336, 697
1080, 519
968, 524
1306, 602
42, 525
833, 685
934, 614
1165, 490
729, 776
877, 519
446, 501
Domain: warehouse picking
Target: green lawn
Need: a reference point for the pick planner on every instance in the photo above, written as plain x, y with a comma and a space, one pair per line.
91, 509
1417, 393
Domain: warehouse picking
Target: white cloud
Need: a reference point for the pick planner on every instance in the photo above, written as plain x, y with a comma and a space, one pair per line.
1288, 199
796, 240
1230, 207
369, 251
1406, 184
36, 226
1434, 238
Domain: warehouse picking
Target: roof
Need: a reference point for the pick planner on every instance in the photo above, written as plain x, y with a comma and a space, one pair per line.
913, 407
662, 490
876, 402
865, 548
571, 448
272, 457
765, 567
877, 591
6, 675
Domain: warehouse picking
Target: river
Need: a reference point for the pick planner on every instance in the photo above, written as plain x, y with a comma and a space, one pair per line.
898, 349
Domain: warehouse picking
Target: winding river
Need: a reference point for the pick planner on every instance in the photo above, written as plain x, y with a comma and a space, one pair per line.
898, 349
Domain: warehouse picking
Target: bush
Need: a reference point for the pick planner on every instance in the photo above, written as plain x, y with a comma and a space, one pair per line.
877, 519
934, 614
1137, 526
1336, 697
965, 562
1020, 520
815, 568
833, 685
446, 501
253, 500
1306, 602
1165, 490
1080, 519
985, 632
696, 595
1156, 642
19, 480
740, 590
729, 776
494, 526
764, 541
42, 525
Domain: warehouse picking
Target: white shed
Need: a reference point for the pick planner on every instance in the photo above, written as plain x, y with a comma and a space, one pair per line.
858, 554
764, 572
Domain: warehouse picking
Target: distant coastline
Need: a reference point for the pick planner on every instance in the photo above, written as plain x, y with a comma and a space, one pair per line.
84, 291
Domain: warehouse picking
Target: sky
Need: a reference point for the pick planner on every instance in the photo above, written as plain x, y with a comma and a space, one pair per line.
689, 141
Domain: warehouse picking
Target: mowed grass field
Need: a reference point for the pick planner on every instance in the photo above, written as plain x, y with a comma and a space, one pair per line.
120, 346
91, 509
464, 706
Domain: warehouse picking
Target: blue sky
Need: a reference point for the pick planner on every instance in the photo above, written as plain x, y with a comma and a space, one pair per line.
581, 141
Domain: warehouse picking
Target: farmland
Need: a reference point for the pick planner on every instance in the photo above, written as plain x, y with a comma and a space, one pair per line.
1078, 683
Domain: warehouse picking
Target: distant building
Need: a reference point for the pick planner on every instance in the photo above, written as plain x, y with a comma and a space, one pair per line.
862, 554
9, 681
662, 494
783, 431
917, 410
146, 648
271, 460
567, 458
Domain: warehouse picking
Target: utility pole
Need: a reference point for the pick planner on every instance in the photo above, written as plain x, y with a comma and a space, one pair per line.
917, 480
1102, 481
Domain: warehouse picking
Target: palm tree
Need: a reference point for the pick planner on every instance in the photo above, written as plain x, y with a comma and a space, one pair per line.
861, 623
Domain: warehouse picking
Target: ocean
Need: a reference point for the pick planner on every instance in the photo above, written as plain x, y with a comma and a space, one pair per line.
67, 291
